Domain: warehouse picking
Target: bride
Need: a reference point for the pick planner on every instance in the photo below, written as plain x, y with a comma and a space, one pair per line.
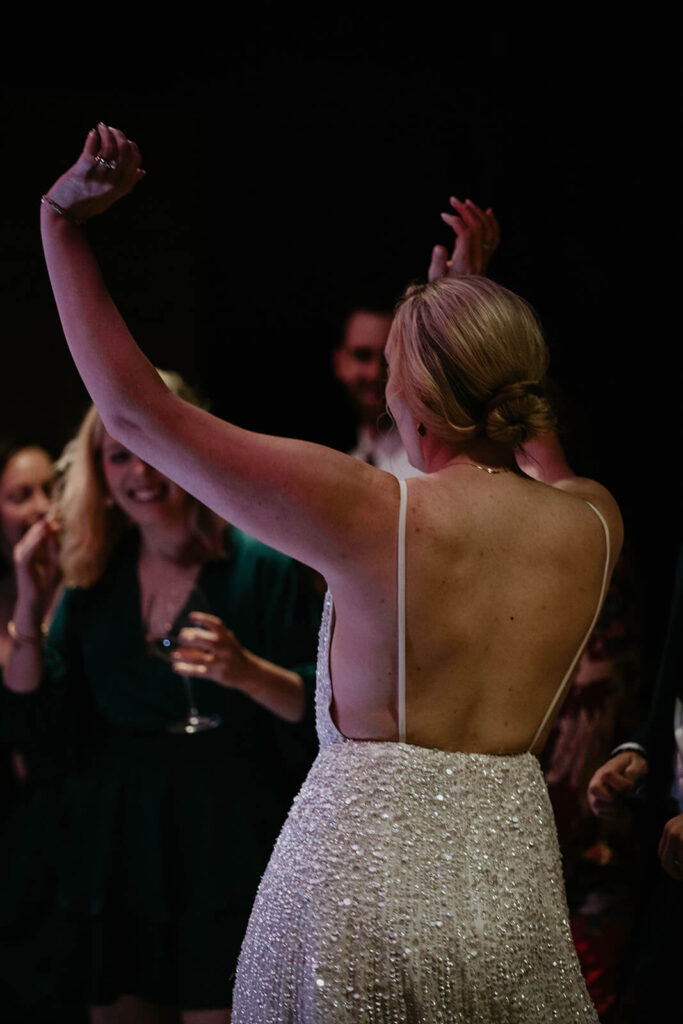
417, 877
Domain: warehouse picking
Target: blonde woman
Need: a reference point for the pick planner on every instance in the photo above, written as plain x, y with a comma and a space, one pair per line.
173, 797
417, 877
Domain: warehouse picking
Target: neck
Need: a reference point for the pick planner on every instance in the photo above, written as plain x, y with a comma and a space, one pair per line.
178, 543
478, 452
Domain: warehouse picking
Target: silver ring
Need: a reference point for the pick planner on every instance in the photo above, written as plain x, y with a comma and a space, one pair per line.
109, 164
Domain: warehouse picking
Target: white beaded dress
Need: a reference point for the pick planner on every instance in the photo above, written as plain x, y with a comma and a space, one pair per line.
412, 886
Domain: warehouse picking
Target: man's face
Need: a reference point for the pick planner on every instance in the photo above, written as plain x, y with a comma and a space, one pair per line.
360, 365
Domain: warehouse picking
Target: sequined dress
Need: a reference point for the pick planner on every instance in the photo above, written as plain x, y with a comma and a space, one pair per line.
411, 886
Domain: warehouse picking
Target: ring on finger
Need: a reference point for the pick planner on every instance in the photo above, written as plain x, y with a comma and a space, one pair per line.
109, 164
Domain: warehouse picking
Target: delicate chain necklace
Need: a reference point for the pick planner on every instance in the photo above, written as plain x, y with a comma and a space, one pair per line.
485, 469
489, 469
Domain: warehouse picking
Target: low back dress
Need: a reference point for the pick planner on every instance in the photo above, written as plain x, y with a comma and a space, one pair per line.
413, 885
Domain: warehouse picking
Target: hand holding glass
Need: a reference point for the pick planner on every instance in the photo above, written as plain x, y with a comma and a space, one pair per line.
163, 645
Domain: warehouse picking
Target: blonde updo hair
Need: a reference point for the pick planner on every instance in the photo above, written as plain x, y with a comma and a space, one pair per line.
91, 523
470, 359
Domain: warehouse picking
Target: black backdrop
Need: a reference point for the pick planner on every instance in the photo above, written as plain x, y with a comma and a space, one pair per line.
293, 164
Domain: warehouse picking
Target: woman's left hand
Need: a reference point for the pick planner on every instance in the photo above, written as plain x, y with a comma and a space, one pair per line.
107, 169
209, 650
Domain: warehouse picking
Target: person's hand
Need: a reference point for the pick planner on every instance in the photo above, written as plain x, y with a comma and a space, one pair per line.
210, 650
671, 848
107, 169
36, 565
477, 235
613, 781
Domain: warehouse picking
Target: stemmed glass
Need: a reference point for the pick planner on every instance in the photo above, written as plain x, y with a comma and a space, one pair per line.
163, 641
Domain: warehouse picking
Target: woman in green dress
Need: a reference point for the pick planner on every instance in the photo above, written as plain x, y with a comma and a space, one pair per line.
173, 796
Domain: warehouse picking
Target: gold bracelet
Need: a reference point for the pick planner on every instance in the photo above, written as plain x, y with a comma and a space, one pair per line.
46, 201
21, 638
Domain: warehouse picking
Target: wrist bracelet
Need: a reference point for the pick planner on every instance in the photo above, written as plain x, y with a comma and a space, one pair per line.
21, 638
46, 201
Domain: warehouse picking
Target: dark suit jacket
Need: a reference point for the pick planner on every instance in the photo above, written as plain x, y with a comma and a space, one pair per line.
657, 735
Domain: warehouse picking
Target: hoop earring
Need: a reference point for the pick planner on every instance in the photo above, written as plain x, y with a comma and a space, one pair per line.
421, 429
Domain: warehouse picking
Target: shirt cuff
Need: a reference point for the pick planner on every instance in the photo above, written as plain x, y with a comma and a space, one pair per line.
635, 747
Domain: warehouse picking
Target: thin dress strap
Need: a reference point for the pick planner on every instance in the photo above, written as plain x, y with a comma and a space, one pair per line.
401, 603
565, 682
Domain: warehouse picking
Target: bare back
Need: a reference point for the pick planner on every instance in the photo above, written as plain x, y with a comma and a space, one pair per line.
504, 576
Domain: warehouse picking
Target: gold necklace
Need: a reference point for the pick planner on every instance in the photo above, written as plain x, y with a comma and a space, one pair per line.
485, 469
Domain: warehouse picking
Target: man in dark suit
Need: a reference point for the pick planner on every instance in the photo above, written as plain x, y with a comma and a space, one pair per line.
646, 773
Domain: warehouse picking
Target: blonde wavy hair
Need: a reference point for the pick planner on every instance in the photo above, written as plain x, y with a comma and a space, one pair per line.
470, 359
91, 523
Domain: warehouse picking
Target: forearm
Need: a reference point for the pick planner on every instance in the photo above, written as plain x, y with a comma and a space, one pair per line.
275, 688
24, 669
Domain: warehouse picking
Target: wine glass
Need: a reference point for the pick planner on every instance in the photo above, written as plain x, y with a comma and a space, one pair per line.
163, 637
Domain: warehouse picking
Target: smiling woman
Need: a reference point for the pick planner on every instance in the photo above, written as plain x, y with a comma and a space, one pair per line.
170, 812
107, 489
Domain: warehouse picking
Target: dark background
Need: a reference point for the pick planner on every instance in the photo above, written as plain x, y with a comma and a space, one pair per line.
294, 164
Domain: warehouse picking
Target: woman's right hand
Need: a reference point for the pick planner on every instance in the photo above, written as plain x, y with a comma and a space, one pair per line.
107, 169
36, 565
477, 235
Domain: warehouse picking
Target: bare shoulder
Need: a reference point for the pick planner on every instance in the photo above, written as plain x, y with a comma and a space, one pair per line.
600, 498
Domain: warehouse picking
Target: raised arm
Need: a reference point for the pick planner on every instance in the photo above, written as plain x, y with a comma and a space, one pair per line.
306, 500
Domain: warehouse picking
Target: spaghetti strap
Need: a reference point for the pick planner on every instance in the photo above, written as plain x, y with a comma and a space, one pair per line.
401, 607
565, 682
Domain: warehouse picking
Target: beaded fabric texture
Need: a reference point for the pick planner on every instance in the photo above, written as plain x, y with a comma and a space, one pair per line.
408, 886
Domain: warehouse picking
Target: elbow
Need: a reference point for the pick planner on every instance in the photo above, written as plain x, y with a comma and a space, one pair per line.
122, 425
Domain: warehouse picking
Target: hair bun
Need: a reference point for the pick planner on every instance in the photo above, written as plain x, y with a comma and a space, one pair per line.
517, 412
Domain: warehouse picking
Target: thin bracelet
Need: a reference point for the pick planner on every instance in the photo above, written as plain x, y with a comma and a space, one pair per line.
21, 638
46, 201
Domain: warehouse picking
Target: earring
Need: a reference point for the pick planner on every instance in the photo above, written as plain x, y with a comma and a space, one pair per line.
421, 429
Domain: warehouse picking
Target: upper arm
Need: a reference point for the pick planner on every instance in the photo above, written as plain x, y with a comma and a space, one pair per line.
320, 506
